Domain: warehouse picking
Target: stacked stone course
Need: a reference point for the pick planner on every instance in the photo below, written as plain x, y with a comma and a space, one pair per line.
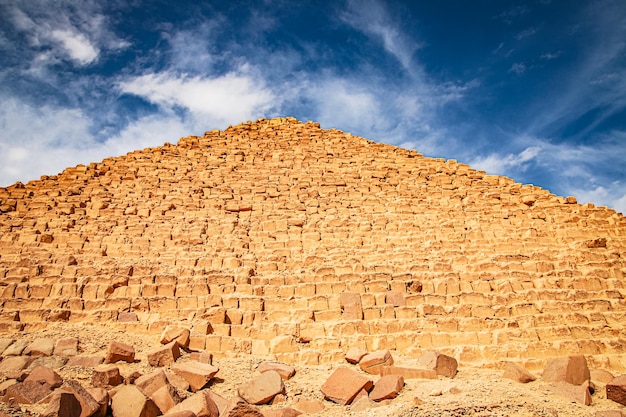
279, 238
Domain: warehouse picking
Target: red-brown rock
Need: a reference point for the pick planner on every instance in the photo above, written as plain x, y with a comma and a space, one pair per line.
409, 373
202, 357
281, 412
62, 404
387, 387
309, 406
15, 363
570, 369
442, 364
129, 401
261, 389
373, 362
616, 390
85, 361
344, 384
576, 393
165, 398
30, 392
120, 352
195, 373
164, 355
152, 382
175, 333
66, 347
89, 405
285, 371
40, 347
106, 376
101, 396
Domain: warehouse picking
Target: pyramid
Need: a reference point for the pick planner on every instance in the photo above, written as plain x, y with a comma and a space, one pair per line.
279, 238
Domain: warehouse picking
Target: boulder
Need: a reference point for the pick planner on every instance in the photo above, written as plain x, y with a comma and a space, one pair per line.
344, 384
165, 398
570, 369
199, 403
150, 383
202, 357
177, 334
355, 354
88, 404
43, 375
309, 406
16, 348
40, 347
101, 396
30, 392
262, 389
15, 363
66, 347
62, 404
442, 364
576, 393
387, 387
373, 362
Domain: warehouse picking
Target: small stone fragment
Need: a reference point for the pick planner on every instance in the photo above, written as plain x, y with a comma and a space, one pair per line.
261, 389
175, 333
120, 352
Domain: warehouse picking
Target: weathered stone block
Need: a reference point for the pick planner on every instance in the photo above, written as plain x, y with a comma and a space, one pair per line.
344, 384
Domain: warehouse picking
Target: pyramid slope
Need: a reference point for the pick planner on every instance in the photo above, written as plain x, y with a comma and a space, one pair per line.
280, 238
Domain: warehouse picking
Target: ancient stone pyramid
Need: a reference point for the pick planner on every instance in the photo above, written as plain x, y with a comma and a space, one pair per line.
280, 238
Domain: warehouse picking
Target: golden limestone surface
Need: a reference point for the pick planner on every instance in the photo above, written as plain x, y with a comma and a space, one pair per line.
278, 238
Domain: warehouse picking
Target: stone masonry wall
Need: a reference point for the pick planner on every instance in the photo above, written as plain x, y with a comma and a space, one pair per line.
279, 238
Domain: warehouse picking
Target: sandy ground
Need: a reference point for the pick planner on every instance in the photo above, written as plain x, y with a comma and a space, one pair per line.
472, 392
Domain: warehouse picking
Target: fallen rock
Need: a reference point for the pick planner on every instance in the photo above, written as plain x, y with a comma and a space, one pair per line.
199, 403
164, 355
387, 387
601, 376
409, 373
152, 382
362, 404
175, 333
106, 376
182, 413
244, 410
129, 401
43, 375
178, 381
5, 343
372, 363
62, 404
616, 390
285, 371
344, 384
101, 396
40, 347
165, 398
120, 352
202, 357
570, 369
30, 392
85, 361
517, 373
195, 373
66, 347
576, 393
355, 354
309, 406
4, 385
442, 364
16, 348
262, 389
281, 412
89, 405
15, 363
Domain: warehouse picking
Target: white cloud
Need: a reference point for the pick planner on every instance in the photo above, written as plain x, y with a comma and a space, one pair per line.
502, 164
518, 68
229, 98
525, 33
77, 46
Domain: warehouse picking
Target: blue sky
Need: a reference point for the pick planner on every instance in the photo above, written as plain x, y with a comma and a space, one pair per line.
534, 90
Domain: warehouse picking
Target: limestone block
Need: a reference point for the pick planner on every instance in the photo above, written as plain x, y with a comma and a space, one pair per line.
104, 376
165, 398
395, 298
16, 348
517, 373
40, 347
200, 404
28, 392
373, 362
281, 412
443, 364
355, 354
175, 333
576, 393
195, 373
85, 361
409, 373
262, 389
285, 371
15, 363
164, 355
387, 387
570, 369
101, 396
202, 357
244, 410
118, 351
351, 306
66, 347
344, 384
62, 404
129, 401
151, 382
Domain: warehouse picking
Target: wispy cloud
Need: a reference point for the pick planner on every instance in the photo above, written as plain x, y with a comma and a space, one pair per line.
373, 18
548, 56
518, 68
526, 33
